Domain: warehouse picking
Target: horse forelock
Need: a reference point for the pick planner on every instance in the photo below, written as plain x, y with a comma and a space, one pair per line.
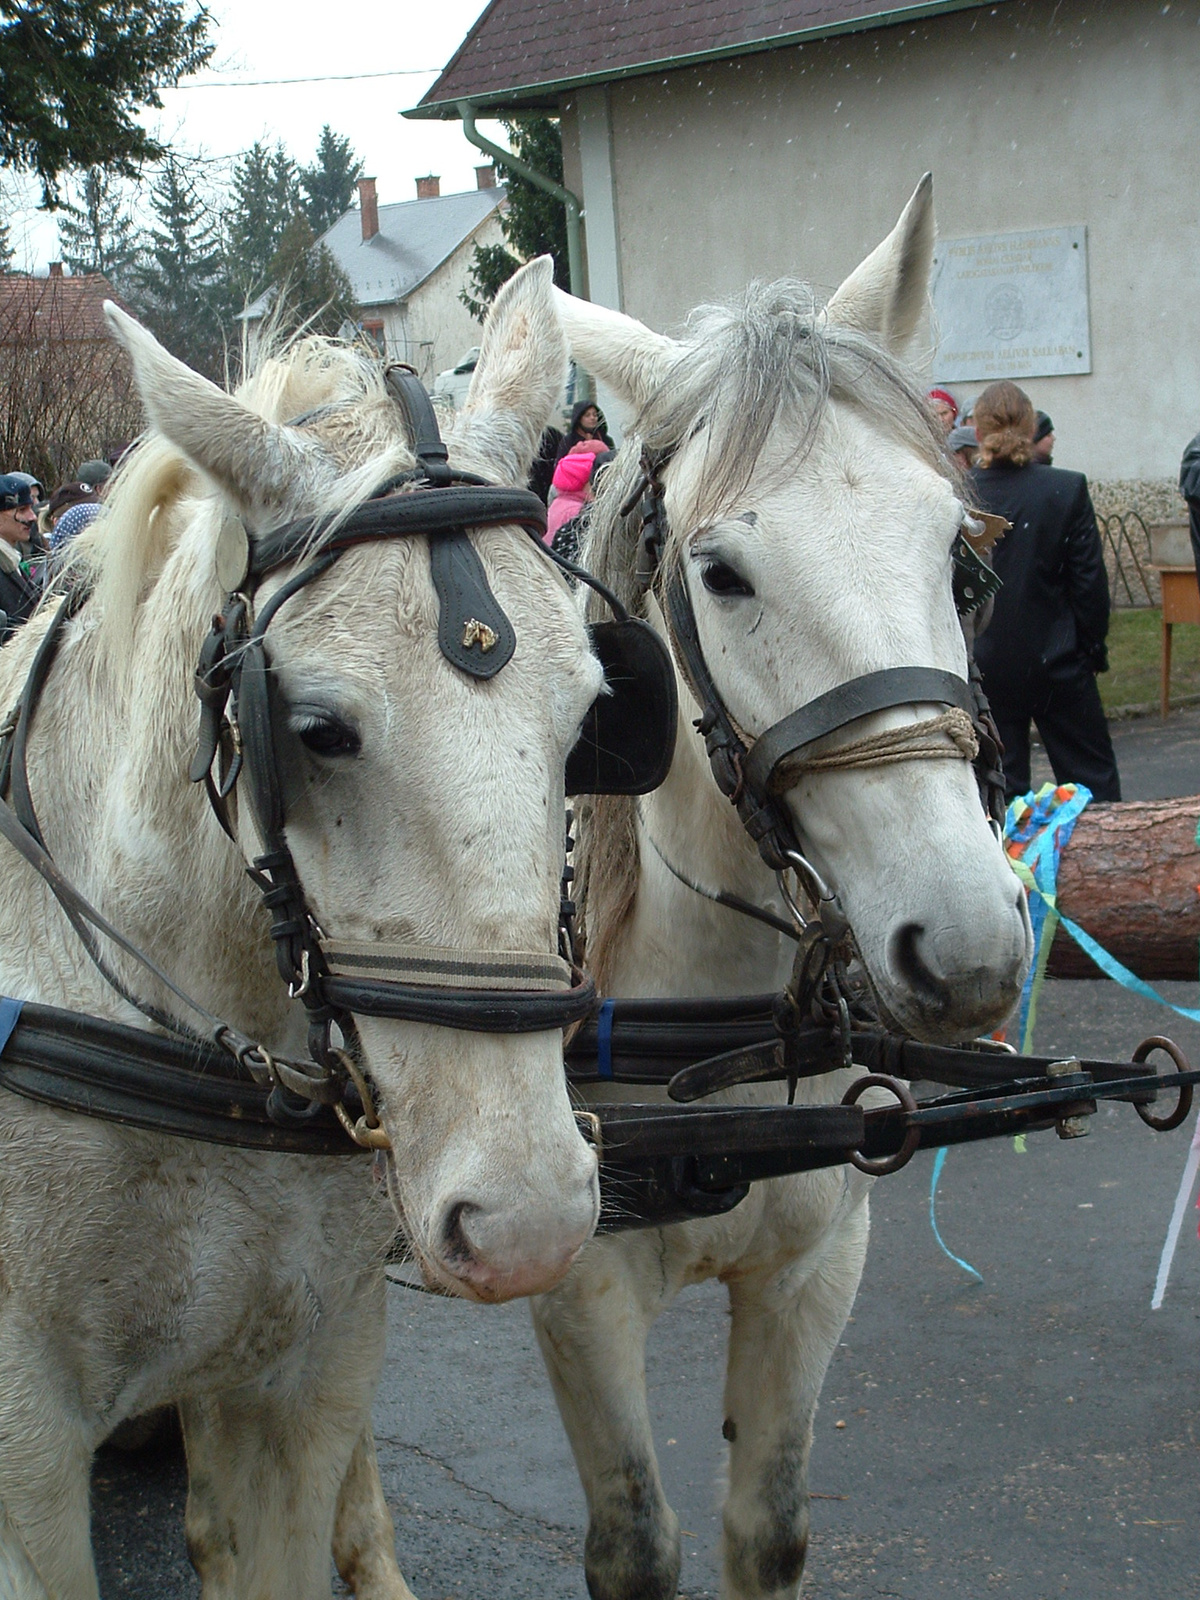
160, 502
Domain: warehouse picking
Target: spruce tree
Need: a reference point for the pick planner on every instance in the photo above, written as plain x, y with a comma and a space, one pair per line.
265, 198
534, 222
97, 232
314, 293
74, 75
181, 287
6, 249
329, 183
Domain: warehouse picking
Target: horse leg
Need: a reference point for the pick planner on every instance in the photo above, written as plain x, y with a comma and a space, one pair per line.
18, 1576
264, 1473
781, 1342
592, 1330
45, 1471
364, 1538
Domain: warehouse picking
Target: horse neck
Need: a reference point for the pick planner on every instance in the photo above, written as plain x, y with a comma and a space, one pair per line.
676, 941
108, 767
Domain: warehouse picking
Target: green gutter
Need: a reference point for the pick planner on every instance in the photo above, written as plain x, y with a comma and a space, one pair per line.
574, 210
496, 101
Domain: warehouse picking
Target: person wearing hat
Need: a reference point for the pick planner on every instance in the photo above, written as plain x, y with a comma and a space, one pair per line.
1043, 441
94, 473
944, 407
68, 495
963, 444
19, 594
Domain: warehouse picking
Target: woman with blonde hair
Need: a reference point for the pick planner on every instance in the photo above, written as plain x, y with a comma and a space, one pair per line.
1046, 640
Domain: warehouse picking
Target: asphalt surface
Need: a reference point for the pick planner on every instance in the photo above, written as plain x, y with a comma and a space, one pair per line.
1031, 1436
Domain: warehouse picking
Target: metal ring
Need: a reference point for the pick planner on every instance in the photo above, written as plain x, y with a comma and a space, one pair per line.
882, 1166
1146, 1048
368, 1138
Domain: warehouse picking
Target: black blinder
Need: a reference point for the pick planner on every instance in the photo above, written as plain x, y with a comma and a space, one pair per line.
627, 741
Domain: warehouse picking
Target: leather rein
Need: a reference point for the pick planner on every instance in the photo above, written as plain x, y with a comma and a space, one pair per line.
472, 990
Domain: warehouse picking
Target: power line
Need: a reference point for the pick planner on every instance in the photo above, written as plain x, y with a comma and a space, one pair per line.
341, 77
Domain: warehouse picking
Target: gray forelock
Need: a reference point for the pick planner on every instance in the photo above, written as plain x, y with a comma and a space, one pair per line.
765, 362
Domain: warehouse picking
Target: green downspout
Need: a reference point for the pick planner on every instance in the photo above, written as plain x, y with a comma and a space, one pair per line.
574, 210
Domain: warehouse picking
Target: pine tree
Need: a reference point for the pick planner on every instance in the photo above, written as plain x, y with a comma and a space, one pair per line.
534, 223
97, 231
329, 183
181, 288
314, 292
265, 198
6, 250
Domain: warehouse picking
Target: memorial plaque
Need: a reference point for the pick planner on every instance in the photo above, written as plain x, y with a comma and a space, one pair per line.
1011, 305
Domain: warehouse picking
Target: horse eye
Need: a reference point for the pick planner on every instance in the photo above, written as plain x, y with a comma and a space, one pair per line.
326, 736
718, 578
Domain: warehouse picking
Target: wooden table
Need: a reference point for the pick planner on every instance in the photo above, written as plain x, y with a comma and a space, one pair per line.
1180, 603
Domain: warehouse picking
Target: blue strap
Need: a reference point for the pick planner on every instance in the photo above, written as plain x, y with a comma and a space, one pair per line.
604, 1022
10, 1012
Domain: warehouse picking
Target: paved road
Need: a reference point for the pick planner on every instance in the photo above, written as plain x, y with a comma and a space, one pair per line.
1035, 1436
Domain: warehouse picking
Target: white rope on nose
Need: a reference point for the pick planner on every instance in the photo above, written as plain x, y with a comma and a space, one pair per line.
950, 736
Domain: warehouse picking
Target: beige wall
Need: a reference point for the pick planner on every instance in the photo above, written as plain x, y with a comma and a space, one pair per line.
433, 330
1038, 113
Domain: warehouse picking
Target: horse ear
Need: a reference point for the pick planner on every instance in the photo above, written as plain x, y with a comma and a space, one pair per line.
887, 293
519, 377
262, 466
621, 352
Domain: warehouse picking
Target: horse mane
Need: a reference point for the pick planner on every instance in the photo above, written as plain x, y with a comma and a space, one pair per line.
157, 493
768, 357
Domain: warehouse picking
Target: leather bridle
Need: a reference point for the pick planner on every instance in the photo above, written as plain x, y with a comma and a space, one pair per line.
753, 771
471, 990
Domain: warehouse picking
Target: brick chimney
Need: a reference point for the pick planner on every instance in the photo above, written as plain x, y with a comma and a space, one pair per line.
429, 188
485, 177
56, 270
368, 206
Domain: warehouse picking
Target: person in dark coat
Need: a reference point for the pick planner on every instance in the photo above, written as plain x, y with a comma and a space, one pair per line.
1046, 641
542, 471
587, 423
19, 593
1189, 488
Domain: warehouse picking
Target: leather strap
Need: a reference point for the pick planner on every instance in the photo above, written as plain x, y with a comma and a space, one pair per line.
860, 697
401, 516
474, 633
472, 1010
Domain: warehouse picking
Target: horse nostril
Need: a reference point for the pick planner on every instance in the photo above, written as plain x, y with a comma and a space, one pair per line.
456, 1249
909, 965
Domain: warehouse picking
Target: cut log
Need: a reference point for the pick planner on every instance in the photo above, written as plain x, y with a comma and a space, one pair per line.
1129, 876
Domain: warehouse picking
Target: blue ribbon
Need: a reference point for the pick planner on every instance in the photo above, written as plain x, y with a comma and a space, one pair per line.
939, 1161
604, 1025
10, 1013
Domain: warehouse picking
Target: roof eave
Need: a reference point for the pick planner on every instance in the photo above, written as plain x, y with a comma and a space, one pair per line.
544, 96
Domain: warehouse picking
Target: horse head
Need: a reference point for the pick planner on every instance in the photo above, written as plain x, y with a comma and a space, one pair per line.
423, 805
810, 516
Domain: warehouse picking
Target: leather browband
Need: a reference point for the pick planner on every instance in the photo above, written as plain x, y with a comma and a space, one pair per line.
431, 511
860, 697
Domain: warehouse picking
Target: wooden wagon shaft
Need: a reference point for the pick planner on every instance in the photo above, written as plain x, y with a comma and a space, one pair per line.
1129, 877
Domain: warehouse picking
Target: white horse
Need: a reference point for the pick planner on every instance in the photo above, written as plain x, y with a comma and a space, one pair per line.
139, 1270
812, 512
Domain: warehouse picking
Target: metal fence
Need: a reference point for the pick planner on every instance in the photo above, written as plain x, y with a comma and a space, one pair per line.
1132, 581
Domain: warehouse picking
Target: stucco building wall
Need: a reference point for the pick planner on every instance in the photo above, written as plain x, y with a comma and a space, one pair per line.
1034, 114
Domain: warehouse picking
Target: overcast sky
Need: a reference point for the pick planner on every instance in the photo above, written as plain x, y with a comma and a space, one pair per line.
262, 39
